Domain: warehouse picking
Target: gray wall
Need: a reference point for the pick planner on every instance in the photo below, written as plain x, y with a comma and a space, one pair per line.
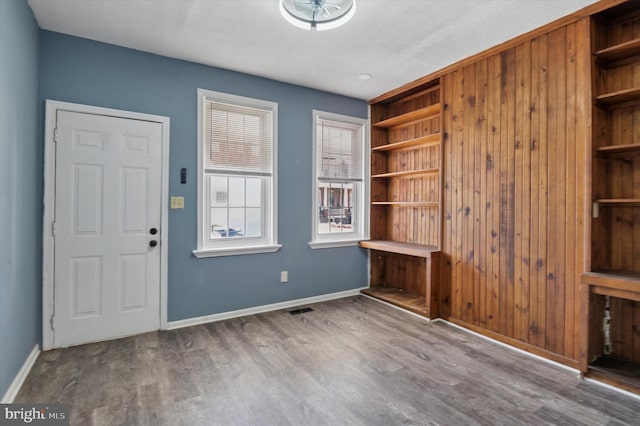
20, 189
83, 71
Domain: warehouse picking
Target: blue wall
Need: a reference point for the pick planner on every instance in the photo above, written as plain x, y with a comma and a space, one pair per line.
20, 190
87, 72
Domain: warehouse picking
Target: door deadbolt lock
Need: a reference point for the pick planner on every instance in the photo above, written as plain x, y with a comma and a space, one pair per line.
153, 231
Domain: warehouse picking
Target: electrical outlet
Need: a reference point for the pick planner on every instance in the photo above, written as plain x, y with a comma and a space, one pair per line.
177, 202
284, 276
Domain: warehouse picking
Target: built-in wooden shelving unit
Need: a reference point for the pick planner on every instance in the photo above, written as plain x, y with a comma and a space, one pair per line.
405, 200
613, 283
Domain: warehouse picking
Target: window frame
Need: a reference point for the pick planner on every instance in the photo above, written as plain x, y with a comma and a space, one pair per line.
360, 202
268, 243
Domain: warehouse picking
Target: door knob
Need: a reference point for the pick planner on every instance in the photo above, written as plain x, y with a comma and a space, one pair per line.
153, 231
153, 243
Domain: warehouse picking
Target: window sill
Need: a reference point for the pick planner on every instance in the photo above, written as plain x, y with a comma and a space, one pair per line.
333, 244
234, 251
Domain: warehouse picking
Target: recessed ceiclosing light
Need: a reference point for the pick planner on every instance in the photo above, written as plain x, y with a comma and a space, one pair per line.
365, 76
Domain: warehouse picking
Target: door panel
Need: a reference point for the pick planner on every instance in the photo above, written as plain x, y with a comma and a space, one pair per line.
108, 195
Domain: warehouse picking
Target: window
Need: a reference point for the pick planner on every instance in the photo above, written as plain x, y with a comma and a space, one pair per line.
339, 201
237, 175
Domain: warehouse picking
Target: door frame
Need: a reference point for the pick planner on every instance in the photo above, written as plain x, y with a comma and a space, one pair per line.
51, 109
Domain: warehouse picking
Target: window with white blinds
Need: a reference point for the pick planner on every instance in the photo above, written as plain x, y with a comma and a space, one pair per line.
238, 138
340, 190
237, 148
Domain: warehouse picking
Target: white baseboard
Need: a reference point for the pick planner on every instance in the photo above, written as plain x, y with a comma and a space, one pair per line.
613, 388
21, 376
172, 325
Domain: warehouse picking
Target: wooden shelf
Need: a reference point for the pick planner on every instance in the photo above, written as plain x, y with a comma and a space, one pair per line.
617, 372
406, 203
618, 53
419, 114
418, 250
411, 301
615, 283
433, 139
612, 150
406, 173
619, 97
619, 202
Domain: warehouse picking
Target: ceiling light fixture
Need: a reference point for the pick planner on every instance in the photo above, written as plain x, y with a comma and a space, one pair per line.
317, 14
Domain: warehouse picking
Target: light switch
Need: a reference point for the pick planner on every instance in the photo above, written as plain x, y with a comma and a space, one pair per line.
177, 202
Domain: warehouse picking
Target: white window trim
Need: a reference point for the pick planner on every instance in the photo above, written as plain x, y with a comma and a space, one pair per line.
236, 247
323, 241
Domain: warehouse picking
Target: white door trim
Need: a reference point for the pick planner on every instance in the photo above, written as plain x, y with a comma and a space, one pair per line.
52, 107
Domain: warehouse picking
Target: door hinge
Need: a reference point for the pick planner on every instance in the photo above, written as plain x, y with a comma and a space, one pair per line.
55, 135
51, 321
53, 229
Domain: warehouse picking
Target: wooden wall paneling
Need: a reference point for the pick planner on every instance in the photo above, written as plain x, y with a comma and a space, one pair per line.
494, 99
574, 247
467, 191
525, 148
582, 172
480, 195
543, 146
533, 327
514, 178
447, 201
457, 140
506, 205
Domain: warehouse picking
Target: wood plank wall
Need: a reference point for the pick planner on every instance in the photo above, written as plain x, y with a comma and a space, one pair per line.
515, 189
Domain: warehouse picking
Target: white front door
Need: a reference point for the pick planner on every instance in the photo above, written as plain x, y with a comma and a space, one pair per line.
107, 227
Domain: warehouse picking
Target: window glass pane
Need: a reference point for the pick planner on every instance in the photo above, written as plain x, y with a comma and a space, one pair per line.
254, 222
254, 192
236, 222
218, 222
236, 192
336, 210
219, 191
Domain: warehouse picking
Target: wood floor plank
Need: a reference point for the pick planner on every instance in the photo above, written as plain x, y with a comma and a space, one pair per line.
351, 361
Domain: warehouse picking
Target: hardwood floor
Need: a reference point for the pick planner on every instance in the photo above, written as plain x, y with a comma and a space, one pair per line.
350, 361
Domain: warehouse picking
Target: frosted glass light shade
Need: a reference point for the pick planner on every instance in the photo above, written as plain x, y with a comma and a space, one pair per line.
317, 14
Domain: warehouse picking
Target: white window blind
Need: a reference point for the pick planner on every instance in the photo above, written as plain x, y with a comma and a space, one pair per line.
237, 139
339, 152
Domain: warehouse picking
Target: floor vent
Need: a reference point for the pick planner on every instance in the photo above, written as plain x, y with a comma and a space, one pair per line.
300, 311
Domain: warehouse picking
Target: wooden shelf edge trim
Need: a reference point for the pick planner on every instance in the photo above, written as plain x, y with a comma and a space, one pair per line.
618, 149
619, 280
406, 203
619, 52
620, 96
433, 139
406, 173
619, 202
422, 113
410, 249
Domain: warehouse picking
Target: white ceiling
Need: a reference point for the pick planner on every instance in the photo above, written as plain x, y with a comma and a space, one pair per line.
396, 41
